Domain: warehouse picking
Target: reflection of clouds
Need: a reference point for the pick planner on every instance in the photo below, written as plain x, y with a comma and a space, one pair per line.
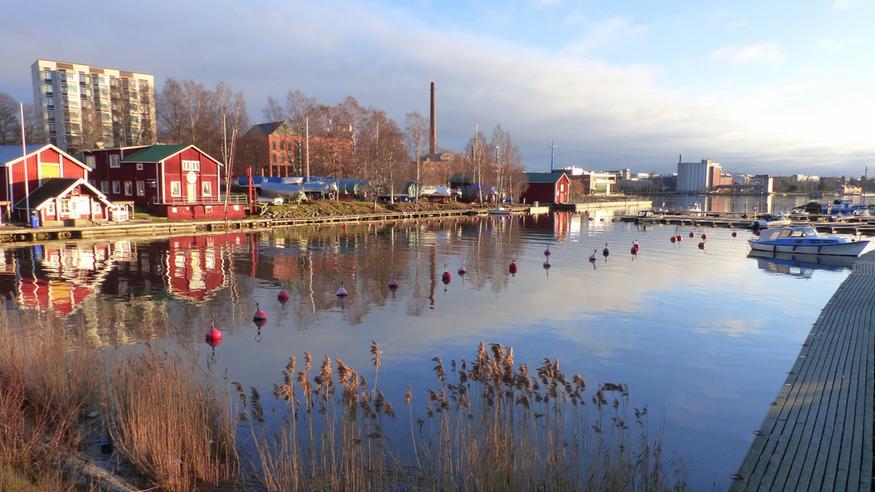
730, 327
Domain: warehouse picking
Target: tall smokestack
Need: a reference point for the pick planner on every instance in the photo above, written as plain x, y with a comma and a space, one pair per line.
432, 142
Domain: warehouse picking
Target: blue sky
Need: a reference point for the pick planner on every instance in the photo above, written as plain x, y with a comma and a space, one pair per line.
776, 87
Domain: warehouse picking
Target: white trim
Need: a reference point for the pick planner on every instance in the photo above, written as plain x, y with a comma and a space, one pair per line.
208, 156
44, 147
160, 178
39, 170
80, 181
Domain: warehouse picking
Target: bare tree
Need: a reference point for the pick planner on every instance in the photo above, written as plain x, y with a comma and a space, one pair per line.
10, 128
478, 159
416, 140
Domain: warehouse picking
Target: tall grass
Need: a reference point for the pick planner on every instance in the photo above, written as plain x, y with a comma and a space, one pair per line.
488, 424
167, 421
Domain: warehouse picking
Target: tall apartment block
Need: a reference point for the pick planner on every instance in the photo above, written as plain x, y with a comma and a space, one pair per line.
85, 107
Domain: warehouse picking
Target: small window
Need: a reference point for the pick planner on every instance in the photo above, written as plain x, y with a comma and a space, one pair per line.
50, 209
191, 165
113, 160
104, 187
785, 233
141, 188
64, 207
129, 188
207, 188
139, 166
175, 188
90, 161
116, 187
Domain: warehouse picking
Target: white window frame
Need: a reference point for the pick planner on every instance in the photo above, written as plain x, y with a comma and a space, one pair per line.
104, 187
188, 165
141, 188
176, 188
139, 166
207, 188
116, 187
64, 206
114, 161
90, 161
129, 188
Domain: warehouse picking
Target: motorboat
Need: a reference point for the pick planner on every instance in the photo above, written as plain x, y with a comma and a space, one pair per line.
767, 221
778, 262
805, 240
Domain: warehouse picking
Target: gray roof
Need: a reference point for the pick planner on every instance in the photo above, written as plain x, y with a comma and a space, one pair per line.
12, 152
266, 128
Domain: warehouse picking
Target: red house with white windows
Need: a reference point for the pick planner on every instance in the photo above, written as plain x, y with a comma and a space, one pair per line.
180, 182
47, 182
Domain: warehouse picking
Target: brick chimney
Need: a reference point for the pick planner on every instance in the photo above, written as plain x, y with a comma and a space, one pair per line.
432, 142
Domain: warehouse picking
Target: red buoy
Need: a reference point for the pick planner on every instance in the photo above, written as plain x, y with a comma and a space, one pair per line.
446, 278
680, 238
691, 234
547, 265
673, 239
283, 296
213, 336
734, 234
259, 322
704, 236
393, 285
634, 251
702, 245
512, 267
259, 314
547, 251
341, 292
461, 271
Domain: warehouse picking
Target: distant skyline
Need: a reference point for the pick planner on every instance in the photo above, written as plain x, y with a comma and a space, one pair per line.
779, 87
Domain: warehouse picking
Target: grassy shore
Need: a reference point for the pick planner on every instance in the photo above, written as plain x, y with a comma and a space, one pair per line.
486, 424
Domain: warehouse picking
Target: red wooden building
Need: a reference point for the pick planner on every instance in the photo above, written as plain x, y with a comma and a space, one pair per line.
51, 183
547, 188
180, 182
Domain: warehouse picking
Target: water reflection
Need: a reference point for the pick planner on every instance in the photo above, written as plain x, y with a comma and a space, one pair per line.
798, 265
704, 338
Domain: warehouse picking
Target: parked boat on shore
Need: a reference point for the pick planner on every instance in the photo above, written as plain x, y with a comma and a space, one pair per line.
805, 240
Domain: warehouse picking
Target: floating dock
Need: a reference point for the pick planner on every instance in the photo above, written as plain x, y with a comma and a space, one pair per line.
852, 226
817, 434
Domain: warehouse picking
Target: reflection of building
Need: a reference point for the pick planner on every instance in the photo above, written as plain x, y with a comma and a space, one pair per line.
80, 105
56, 277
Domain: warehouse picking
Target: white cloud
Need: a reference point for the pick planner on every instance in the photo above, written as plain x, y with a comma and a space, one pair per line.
838, 44
604, 33
754, 53
845, 4
386, 59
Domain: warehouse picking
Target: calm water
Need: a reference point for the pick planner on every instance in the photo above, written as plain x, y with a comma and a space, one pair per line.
702, 337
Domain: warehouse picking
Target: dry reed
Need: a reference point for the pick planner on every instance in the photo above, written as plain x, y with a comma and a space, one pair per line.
168, 422
487, 425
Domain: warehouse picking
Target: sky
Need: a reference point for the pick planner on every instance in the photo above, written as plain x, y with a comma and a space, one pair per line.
778, 87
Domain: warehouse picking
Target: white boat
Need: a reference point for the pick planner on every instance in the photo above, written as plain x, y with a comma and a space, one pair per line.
770, 222
805, 240
499, 211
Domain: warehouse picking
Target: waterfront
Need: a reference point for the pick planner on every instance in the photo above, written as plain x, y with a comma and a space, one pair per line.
703, 338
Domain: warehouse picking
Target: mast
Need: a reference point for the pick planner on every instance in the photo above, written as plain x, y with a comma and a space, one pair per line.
24, 157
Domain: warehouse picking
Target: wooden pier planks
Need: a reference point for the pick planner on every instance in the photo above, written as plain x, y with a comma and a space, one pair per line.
817, 435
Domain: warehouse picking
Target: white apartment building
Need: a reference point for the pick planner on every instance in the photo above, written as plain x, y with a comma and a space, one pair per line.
85, 107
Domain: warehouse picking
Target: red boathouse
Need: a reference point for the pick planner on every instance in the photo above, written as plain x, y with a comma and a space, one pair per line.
180, 182
547, 188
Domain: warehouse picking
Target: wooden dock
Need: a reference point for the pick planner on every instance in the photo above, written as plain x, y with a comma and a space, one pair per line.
740, 221
817, 434
143, 229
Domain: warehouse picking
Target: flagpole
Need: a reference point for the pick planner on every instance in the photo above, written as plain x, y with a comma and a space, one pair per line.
24, 156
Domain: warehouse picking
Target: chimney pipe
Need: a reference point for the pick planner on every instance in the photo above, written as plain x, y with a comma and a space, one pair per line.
432, 142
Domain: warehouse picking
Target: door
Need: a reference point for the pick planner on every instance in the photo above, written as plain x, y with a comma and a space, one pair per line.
191, 192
